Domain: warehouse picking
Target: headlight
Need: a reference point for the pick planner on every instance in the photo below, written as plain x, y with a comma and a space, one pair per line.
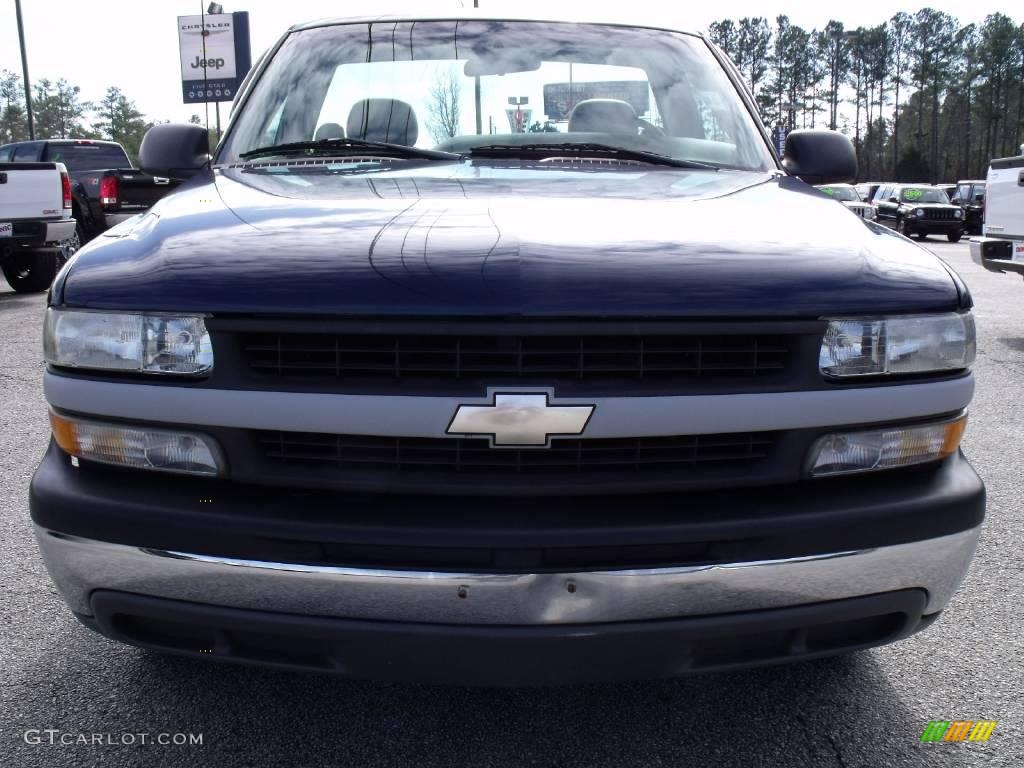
169, 344
137, 446
919, 212
897, 345
862, 451
959, 213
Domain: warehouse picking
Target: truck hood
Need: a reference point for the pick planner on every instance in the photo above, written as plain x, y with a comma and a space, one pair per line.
468, 239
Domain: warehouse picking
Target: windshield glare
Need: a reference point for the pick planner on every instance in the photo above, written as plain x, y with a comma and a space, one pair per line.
919, 195
416, 83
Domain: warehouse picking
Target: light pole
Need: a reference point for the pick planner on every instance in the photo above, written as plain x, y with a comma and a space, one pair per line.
24, 67
213, 9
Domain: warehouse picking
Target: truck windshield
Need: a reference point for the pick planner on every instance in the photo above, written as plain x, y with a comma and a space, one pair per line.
460, 85
919, 195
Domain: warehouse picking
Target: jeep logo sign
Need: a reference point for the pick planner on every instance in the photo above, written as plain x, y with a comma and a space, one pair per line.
206, 43
207, 63
215, 55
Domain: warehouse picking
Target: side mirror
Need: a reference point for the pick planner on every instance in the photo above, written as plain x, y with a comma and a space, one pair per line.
175, 151
820, 157
894, 200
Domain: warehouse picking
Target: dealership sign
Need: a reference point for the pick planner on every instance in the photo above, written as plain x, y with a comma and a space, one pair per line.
560, 98
215, 55
780, 139
519, 119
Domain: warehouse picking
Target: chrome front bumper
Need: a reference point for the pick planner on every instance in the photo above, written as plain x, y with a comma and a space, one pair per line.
79, 566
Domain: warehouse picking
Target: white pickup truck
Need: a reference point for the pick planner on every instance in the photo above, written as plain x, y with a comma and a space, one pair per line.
1001, 246
37, 233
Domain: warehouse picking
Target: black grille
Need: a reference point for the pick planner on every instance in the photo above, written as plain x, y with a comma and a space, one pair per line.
944, 214
474, 456
515, 357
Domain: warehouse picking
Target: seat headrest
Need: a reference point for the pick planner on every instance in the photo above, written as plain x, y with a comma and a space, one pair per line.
329, 131
603, 116
387, 120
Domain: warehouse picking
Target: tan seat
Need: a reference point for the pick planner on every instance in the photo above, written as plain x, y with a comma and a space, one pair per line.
388, 120
604, 116
329, 131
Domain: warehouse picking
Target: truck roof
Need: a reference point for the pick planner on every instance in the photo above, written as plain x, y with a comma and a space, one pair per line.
80, 141
105, 142
469, 14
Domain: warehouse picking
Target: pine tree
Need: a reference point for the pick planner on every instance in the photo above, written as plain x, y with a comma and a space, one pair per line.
900, 33
121, 121
13, 121
753, 43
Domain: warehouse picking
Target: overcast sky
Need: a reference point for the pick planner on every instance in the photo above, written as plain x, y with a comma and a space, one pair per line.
133, 43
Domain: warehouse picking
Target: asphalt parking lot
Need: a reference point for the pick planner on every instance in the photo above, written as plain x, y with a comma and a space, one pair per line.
868, 709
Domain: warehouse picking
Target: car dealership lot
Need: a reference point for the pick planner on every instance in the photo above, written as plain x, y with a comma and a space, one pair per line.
869, 709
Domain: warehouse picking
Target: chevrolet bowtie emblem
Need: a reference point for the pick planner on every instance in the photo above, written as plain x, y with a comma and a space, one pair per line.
520, 419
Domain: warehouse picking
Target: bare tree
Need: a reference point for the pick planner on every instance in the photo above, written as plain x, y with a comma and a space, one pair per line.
444, 107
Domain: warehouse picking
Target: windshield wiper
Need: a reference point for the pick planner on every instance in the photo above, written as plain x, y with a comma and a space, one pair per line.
329, 146
590, 149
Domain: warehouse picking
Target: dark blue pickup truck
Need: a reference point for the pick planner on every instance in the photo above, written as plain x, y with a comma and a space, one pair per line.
393, 386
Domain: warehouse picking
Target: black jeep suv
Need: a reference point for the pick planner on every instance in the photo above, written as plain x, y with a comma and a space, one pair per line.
919, 209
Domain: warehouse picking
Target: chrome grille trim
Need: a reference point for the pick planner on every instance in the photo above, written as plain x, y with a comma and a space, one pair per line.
424, 416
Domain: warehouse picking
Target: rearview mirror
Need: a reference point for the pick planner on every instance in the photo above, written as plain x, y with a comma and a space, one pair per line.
820, 156
176, 151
